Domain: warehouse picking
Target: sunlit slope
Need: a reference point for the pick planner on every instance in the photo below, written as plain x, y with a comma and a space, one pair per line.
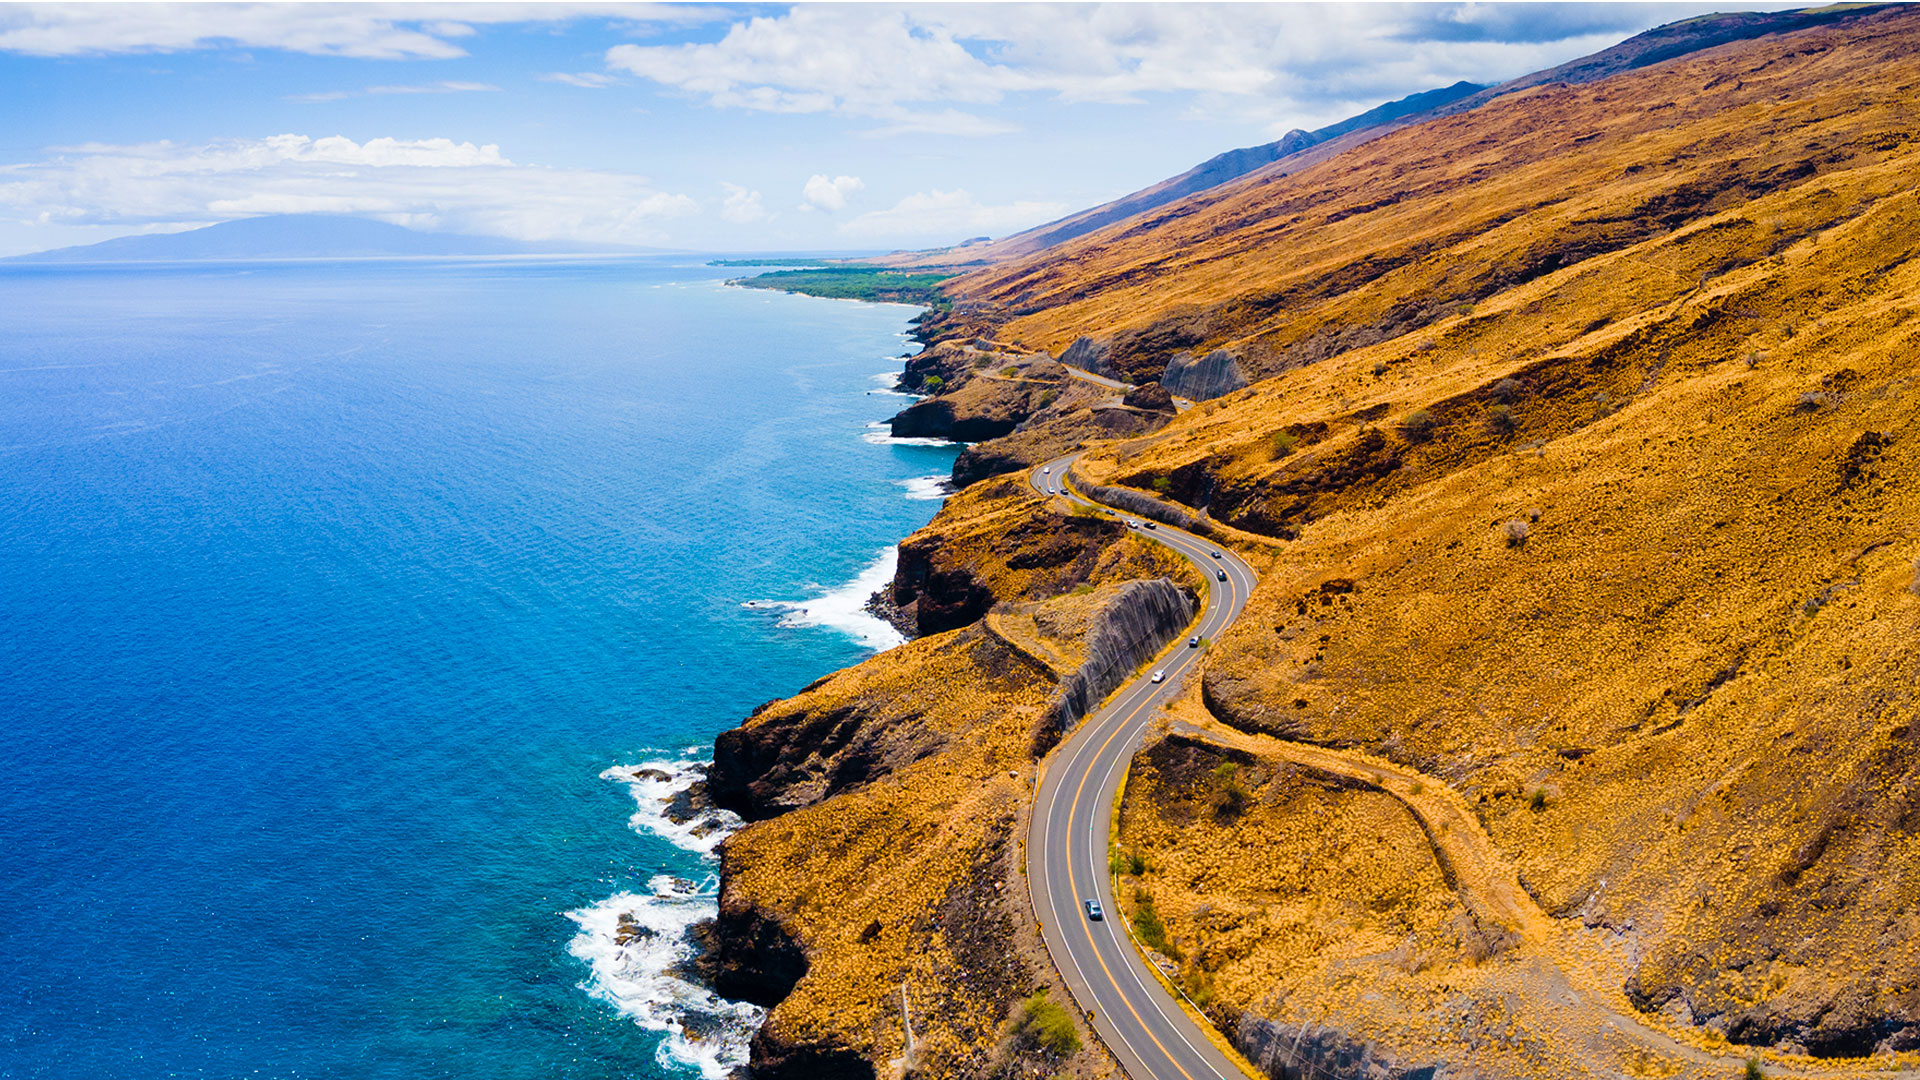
1592, 458
1394, 235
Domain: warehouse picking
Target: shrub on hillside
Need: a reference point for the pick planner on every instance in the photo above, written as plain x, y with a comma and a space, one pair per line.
1229, 795
1417, 426
1047, 1025
1149, 928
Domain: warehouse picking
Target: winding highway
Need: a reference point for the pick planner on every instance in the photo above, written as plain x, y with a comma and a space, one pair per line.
1140, 1021
1146, 1029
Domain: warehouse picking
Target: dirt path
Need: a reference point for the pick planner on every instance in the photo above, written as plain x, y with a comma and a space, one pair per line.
1489, 886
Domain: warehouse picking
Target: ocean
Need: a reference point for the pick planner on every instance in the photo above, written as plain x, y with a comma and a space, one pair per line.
356, 617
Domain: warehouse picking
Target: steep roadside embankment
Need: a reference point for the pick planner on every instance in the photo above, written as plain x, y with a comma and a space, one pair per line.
1134, 621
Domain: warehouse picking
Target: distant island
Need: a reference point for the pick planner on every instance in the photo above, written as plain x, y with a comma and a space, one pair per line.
306, 236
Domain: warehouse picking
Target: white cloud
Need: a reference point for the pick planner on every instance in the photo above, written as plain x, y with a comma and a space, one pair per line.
889, 63
586, 80
424, 183
742, 207
826, 194
445, 86
948, 216
364, 31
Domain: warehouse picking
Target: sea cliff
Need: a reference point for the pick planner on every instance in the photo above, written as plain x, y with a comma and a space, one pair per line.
1569, 730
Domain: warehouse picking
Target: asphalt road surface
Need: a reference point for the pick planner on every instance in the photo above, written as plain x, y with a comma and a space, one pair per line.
1141, 1023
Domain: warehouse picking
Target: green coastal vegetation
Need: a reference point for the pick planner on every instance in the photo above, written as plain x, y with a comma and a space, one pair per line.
856, 282
787, 261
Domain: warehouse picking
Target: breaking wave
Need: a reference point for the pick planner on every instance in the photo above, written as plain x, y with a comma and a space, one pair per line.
844, 608
637, 945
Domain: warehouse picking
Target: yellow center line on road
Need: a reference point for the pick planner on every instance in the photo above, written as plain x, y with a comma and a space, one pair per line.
1073, 881
1229, 601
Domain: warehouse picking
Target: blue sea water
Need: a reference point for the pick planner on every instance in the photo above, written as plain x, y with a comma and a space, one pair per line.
340, 608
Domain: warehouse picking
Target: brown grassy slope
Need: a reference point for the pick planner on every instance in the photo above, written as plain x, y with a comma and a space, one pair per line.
1648, 549
1403, 231
900, 879
1300, 149
999, 540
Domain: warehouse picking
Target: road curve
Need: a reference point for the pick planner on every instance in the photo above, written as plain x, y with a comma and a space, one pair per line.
1180, 404
1141, 1023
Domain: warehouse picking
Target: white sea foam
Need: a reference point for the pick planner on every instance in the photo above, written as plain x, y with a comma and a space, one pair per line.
845, 608
879, 434
888, 383
654, 786
931, 488
634, 945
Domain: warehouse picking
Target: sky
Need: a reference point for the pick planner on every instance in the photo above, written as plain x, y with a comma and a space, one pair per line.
710, 127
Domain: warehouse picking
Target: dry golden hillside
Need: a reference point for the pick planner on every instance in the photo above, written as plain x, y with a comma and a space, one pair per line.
1626, 553
1571, 729
1415, 226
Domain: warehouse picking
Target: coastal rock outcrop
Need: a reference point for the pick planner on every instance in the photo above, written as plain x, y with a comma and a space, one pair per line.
745, 954
774, 1057
998, 541
1057, 430
1202, 378
981, 396
948, 362
965, 560
798, 757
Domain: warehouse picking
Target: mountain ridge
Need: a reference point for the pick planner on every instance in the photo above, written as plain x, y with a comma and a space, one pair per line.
1300, 149
302, 236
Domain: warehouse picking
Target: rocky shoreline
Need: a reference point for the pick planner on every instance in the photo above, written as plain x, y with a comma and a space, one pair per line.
881, 605
833, 744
